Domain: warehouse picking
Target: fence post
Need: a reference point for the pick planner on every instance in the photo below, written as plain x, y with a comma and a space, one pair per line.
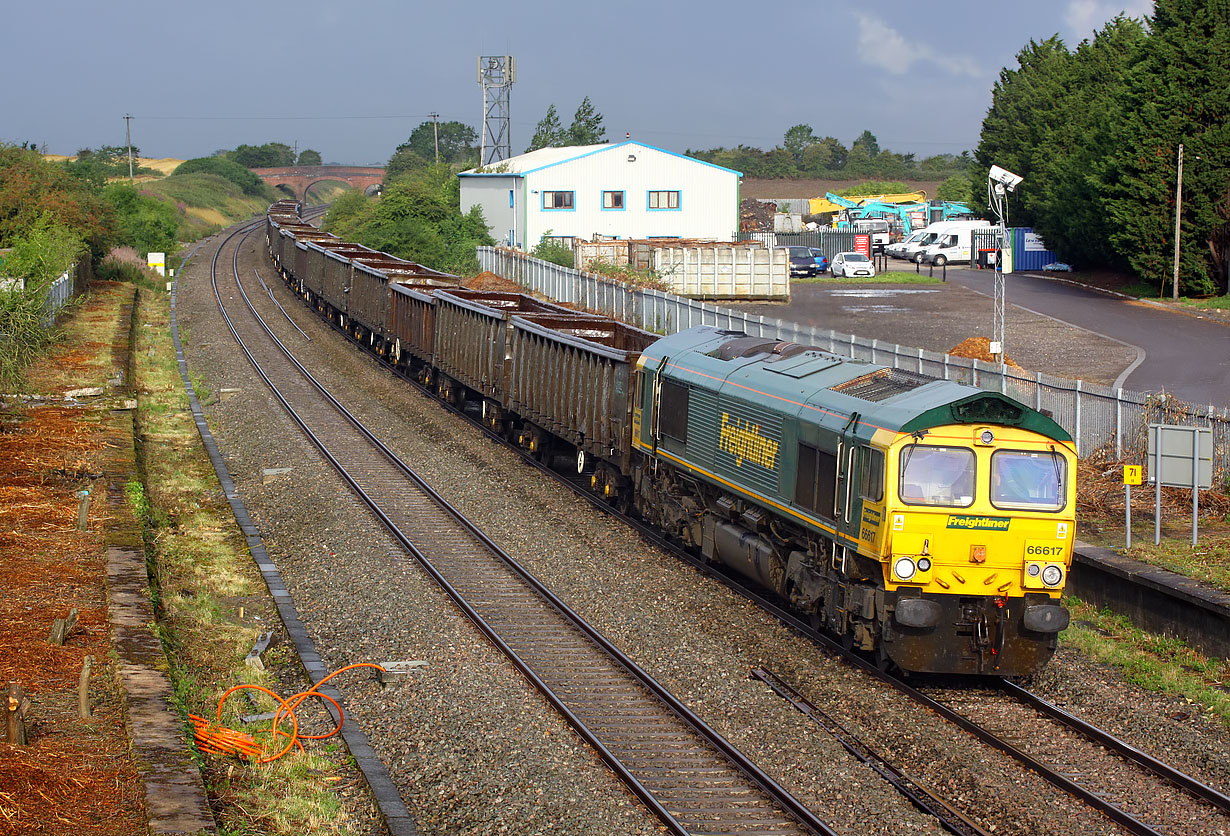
946, 365
1078, 417
1038, 391
920, 361
1119, 423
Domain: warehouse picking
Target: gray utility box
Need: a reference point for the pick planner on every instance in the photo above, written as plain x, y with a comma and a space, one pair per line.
1186, 456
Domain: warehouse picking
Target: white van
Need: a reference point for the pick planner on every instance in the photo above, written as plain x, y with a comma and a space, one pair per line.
898, 250
952, 243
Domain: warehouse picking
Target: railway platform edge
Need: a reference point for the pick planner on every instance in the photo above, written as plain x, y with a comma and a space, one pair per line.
1153, 598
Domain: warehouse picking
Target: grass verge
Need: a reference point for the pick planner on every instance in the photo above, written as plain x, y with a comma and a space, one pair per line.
1157, 663
212, 604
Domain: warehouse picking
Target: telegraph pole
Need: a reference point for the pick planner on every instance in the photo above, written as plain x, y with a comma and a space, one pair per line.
128, 137
435, 132
1178, 207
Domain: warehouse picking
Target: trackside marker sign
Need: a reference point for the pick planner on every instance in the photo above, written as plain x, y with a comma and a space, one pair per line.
974, 523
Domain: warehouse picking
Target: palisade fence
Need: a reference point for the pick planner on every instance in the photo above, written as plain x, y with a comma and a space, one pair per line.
1100, 418
58, 292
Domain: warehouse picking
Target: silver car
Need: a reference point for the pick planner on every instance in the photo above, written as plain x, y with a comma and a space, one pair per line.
853, 265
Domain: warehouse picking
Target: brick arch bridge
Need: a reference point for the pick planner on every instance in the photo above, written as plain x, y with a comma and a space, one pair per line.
300, 178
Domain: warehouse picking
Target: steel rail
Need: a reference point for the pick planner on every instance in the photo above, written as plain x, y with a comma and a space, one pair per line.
769, 603
948, 816
1124, 749
790, 807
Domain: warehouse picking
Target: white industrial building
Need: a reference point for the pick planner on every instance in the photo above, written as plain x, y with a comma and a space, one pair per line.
625, 190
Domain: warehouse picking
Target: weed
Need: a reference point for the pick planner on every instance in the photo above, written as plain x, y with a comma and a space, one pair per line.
1157, 663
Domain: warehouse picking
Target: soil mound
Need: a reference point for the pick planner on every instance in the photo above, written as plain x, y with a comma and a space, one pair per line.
487, 280
979, 348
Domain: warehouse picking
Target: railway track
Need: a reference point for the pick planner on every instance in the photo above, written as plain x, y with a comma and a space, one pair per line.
1142, 795
1139, 793
691, 778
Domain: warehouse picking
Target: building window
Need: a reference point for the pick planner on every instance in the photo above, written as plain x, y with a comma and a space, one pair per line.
612, 200
557, 200
511, 202
664, 200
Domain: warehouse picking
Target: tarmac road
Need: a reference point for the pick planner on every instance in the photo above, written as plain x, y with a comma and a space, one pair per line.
1184, 355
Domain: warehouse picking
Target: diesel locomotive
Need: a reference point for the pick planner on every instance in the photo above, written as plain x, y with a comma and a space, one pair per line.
926, 522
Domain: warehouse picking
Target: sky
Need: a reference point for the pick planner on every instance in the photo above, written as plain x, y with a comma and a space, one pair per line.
352, 80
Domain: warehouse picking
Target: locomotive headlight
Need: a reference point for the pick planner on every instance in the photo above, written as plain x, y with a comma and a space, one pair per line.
1033, 570
986, 437
924, 564
1052, 575
904, 568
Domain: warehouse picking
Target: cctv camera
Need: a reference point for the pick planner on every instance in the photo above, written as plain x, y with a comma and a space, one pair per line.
1004, 177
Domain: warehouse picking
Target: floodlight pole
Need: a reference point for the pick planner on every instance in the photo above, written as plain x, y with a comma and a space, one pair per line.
999, 202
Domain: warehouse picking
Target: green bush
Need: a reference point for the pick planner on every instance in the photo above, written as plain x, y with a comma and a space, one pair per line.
145, 222
417, 218
248, 182
553, 251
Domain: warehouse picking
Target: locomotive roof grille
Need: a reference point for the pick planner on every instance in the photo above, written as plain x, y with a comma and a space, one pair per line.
882, 384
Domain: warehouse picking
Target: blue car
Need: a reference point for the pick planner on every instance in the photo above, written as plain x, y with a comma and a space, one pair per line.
822, 260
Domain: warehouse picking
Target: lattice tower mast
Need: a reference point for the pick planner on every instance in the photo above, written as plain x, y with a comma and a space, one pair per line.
496, 73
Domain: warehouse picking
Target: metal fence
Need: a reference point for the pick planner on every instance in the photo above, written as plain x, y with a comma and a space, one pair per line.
1101, 419
829, 241
58, 292
61, 290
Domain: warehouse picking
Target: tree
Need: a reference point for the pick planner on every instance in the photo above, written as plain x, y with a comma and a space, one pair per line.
1176, 91
955, 188
231, 170
269, 155
404, 161
30, 188
549, 133
868, 142
145, 223
1025, 105
586, 127
797, 141
309, 156
458, 142
418, 218
1064, 198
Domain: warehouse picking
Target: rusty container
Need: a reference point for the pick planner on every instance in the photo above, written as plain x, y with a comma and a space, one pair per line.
573, 375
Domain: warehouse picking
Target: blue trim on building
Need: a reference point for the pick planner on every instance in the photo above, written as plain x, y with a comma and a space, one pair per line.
625, 144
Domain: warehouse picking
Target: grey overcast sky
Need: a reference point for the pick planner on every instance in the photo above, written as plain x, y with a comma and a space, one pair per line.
353, 79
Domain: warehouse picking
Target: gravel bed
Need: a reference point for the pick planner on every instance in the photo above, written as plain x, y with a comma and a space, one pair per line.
473, 747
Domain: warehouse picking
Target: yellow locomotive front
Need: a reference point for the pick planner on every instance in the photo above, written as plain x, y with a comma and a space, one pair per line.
976, 540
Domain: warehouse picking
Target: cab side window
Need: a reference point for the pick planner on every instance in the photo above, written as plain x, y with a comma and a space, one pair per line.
871, 479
